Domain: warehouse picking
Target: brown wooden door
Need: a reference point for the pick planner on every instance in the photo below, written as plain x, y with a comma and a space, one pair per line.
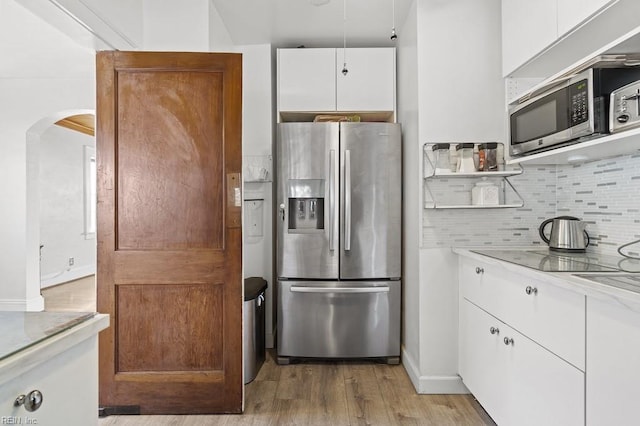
169, 231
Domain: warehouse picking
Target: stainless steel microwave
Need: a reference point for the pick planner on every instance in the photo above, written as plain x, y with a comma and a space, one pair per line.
565, 111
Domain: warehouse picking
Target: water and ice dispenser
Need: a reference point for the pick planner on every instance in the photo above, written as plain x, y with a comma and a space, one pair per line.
305, 205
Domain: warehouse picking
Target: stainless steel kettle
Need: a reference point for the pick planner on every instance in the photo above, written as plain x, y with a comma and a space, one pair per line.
567, 234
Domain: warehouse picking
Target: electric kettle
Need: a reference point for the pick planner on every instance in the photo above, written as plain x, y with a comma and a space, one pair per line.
567, 234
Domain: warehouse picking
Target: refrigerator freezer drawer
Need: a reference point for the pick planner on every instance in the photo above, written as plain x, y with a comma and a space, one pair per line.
339, 319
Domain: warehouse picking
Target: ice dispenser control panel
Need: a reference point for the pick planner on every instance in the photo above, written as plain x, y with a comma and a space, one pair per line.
305, 205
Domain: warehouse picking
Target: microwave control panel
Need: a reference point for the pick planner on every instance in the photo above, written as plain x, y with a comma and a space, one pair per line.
579, 103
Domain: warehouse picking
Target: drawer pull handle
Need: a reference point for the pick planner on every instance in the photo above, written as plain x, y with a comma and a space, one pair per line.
479, 270
32, 401
494, 330
508, 341
531, 290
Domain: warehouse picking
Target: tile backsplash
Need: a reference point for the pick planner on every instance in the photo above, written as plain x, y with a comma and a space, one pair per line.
604, 193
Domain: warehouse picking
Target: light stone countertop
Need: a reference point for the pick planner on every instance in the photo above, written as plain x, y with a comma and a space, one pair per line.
19, 330
567, 280
30, 338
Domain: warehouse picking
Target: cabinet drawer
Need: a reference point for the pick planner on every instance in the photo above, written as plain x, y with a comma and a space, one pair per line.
517, 382
550, 315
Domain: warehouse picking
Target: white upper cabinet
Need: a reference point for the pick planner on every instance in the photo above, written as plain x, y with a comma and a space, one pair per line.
370, 83
312, 79
306, 79
531, 28
527, 28
573, 12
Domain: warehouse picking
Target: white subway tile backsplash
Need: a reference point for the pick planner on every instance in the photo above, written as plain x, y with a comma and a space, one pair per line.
605, 194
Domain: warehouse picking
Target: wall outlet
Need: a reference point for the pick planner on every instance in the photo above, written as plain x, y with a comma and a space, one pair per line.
71, 261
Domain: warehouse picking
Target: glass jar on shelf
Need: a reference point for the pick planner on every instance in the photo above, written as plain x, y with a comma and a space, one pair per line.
442, 158
466, 164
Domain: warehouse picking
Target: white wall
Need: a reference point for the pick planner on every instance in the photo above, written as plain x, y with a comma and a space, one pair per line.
257, 131
408, 88
460, 97
62, 207
42, 72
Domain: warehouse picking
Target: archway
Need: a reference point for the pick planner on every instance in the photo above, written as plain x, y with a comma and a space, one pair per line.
35, 138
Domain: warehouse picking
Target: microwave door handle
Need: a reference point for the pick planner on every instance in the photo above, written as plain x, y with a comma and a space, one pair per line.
544, 88
347, 200
332, 199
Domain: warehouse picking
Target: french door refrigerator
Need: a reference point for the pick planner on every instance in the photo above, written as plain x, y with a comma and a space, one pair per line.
339, 240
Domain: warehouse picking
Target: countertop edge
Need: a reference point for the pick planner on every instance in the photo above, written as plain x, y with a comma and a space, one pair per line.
24, 360
564, 280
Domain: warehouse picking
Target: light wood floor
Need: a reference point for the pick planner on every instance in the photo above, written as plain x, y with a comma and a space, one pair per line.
310, 393
78, 295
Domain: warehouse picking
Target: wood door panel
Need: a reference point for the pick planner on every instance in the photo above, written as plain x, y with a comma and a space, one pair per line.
169, 160
169, 327
169, 238
137, 267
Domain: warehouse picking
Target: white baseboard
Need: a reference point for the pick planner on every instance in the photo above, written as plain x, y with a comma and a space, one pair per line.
35, 304
431, 384
68, 275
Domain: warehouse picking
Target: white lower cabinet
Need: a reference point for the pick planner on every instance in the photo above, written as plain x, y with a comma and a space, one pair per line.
613, 362
517, 381
522, 346
483, 359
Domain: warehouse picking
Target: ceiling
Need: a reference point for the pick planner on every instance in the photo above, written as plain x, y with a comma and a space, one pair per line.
291, 23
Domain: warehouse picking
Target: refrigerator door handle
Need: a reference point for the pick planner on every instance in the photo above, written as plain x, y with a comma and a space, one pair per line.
332, 199
299, 289
347, 200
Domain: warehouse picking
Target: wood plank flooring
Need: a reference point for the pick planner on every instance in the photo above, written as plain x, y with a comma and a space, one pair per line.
308, 393
78, 296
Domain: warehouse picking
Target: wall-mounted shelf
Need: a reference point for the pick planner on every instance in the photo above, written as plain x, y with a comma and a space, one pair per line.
624, 143
452, 190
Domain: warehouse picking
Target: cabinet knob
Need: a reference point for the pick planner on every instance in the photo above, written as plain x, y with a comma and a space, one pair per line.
494, 330
531, 290
32, 401
479, 270
508, 341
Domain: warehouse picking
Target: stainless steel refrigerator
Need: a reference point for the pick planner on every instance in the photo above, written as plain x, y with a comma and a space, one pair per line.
339, 240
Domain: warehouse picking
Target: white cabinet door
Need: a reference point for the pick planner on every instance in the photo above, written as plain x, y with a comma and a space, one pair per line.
518, 382
573, 12
306, 79
549, 315
370, 83
482, 359
69, 386
613, 355
542, 389
527, 28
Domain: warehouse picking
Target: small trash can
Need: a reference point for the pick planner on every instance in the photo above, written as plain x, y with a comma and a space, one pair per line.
253, 327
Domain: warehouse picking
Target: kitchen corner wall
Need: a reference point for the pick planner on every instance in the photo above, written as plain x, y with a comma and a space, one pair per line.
450, 88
